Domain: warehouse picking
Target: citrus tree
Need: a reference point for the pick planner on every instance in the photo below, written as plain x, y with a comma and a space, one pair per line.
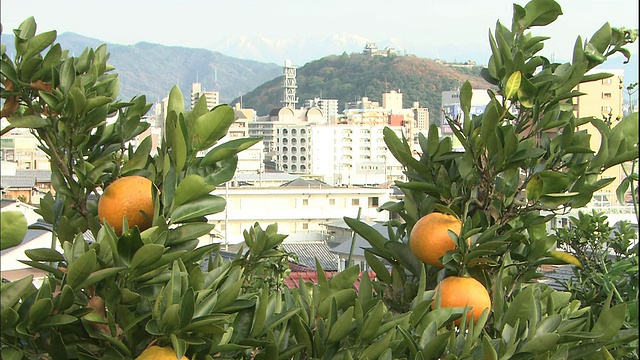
152, 292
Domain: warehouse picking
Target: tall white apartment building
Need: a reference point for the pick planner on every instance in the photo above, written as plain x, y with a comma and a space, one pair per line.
346, 154
329, 108
197, 91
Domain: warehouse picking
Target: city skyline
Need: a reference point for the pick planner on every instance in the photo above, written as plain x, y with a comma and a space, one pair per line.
416, 27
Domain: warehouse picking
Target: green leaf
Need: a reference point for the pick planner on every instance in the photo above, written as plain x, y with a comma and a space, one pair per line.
44, 254
188, 231
29, 122
372, 322
38, 43
210, 204
466, 93
228, 149
13, 229
345, 279
212, 126
368, 233
79, 270
539, 13
128, 245
176, 100
378, 267
602, 38
609, 322
534, 188
540, 343
11, 292
342, 327
513, 85
403, 254
374, 350
39, 310
146, 255
191, 188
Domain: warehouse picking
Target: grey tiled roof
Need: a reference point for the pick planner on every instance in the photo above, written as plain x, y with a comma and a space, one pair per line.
307, 252
40, 175
556, 275
14, 181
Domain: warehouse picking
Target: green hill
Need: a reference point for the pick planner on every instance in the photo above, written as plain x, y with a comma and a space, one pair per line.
350, 77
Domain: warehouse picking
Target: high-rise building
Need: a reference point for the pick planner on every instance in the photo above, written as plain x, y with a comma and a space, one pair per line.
392, 100
329, 107
197, 91
345, 154
421, 117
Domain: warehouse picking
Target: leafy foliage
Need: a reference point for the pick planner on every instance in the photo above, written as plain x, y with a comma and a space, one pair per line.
609, 262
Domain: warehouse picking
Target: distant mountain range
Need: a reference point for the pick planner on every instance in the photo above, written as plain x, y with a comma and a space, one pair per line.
153, 69
337, 69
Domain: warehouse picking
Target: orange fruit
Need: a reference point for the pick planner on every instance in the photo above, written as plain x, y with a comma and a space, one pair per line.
458, 291
429, 239
159, 353
128, 197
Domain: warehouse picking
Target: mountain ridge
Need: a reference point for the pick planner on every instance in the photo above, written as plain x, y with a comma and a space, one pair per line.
152, 69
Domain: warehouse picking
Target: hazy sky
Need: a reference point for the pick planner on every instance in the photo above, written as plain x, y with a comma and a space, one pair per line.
427, 27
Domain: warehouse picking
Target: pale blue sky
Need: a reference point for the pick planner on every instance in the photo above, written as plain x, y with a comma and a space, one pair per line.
426, 27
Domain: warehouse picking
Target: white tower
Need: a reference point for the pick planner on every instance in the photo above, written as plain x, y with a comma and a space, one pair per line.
290, 85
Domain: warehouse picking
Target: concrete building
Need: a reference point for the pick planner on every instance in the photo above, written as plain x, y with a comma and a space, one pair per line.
20, 146
329, 108
421, 117
300, 207
392, 100
197, 91
266, 126
344, 154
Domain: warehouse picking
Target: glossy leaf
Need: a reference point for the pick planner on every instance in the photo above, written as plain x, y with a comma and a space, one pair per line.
14, 228
191, 188
210, 204
80, 269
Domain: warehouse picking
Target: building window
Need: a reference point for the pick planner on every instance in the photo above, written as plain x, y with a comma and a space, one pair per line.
607, 81
606, 95
355, 202
305, 226
373, 202
332, 202
606, 109
305, 202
